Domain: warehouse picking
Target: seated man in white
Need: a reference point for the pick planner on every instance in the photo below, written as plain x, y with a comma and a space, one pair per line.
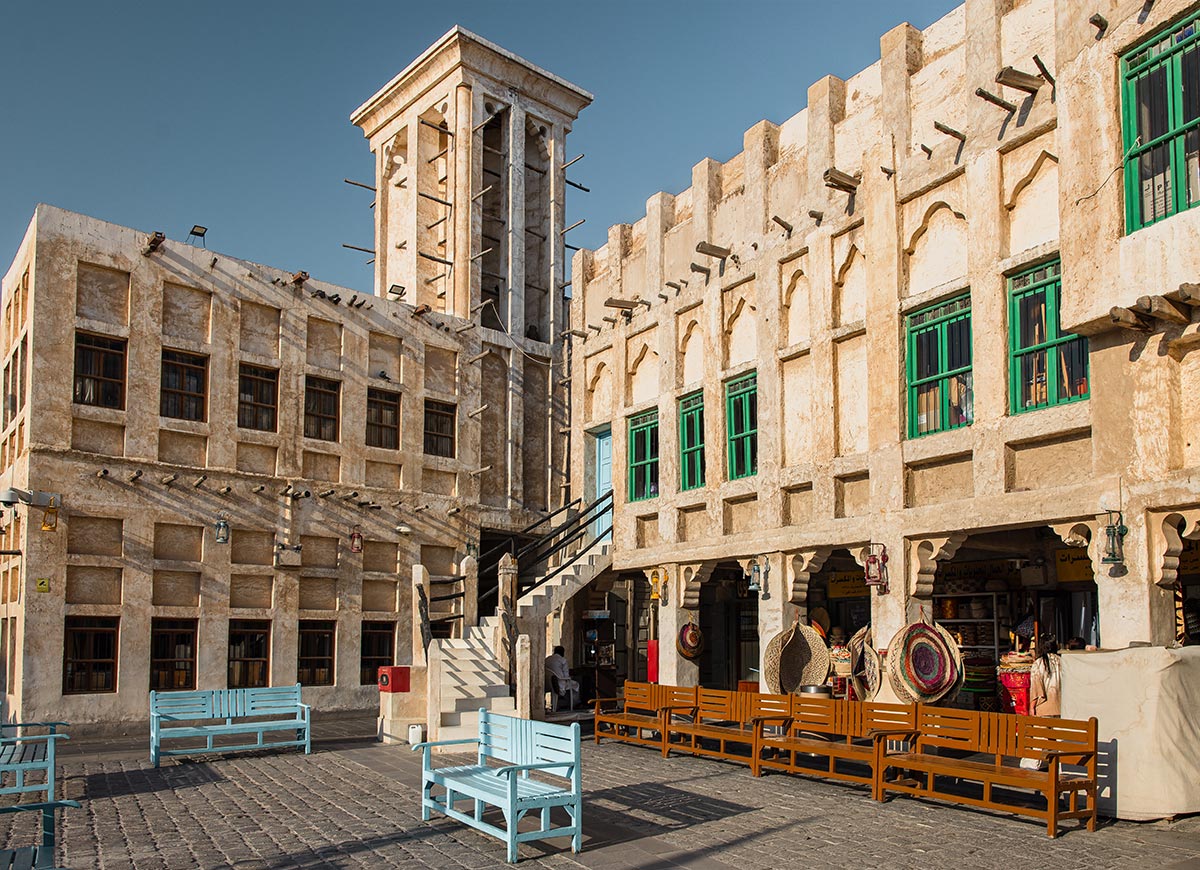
557, 667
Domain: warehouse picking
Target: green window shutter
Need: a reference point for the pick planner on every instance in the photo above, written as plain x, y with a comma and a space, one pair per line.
691, 441
938, 366
741, 420
1047, 366
1160, 115
643, 456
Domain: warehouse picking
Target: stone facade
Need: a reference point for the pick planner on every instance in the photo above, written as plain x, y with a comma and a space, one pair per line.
928, 178
328, 499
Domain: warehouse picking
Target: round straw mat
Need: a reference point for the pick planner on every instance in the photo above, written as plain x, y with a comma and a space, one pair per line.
923, 663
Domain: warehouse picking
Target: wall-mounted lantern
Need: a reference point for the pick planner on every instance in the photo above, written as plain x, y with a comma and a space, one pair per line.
658, 587
221, 531
356, 541
758, 572
1114, 537
875, 567
50, 517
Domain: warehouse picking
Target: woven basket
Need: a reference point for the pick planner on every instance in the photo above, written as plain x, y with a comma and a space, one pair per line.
924, 664
864, 665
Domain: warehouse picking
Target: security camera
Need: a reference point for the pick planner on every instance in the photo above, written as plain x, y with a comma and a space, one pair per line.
10, 497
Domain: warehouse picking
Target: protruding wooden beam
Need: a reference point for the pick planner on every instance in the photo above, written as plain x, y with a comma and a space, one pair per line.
1163, 309
950, 131
623, 304
1022, 81
1099, 22
1189, 294
703, 270
995, 100
1128, 319
1037, 61
786, 226
711, 250
838, 180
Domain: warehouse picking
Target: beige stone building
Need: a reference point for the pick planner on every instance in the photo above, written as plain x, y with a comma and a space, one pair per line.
233, 469
945, 314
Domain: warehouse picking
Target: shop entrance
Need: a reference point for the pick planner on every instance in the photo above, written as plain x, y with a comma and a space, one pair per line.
1003, 590
729, 621
839, 599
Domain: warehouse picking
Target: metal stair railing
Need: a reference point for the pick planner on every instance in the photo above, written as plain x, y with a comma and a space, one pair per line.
558, 542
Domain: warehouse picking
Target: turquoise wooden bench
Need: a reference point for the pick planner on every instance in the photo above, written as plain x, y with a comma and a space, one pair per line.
34, 857
523, 745
22, 754
243, 711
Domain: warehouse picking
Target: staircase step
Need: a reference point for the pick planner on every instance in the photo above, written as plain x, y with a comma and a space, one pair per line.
470, 718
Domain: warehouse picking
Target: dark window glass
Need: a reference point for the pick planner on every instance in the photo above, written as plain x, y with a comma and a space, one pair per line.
741, 413
1049, 364
383, 419
691, 441
940, 380
90, 655
184, 385
321, 408
315, 662
249, 653
172, 654
378, 650
439, 428
643, 456
99, 371
258, 397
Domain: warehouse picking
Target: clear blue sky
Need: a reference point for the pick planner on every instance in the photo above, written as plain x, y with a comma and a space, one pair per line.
235, 114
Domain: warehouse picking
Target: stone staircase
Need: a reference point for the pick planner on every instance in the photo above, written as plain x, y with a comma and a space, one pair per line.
471, 675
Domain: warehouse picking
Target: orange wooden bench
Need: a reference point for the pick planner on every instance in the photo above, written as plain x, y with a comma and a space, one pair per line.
996, 736
840, 732
629, 718
728, 718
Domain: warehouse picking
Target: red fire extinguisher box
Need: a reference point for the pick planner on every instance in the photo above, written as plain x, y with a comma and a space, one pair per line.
394, 678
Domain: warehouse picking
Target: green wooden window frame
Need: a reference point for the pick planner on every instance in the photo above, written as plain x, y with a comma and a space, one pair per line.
691, 441
1047, 366
643, 456
938, 363
741, 425
1161, 124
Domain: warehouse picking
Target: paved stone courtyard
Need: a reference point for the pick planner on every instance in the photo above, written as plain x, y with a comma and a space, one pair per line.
354, 803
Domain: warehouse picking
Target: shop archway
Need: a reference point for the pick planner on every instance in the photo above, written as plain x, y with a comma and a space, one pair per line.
729, 622
838, 597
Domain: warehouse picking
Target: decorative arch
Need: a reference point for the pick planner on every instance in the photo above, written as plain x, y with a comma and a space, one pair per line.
643, 375
1170, 533
925, 221
797, 319
850, 287
923, 559
691, 354
599, 391
852, 256
741, 334
1028, 178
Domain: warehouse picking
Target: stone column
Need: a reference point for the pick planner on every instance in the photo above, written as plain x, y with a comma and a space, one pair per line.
463, 206
506, 610
420, 610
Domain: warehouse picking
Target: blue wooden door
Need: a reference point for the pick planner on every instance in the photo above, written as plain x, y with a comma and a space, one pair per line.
603, 455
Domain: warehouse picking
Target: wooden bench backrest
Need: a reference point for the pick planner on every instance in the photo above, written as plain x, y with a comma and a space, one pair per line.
953, 729
641, 696
677, 696
818, 714
718, 704
1038, 734
878, 716
526, 741
760, 704
226, 703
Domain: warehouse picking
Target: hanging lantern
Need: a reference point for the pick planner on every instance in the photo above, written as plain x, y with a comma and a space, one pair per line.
664, 588
755, 575
654, 596
1114, 537
766, 572
50, 517
356, 541
875, 567
221, 531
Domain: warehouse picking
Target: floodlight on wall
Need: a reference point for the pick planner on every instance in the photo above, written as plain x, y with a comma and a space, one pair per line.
397, 290
356, 541
1115, 531
198, 232
403, 529
221, 531
298, 278
154, 241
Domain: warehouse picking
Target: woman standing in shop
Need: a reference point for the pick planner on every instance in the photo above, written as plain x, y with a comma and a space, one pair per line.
1045, 680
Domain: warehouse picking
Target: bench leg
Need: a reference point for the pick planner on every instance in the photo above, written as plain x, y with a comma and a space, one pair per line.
510, 831
426, 799
577, 817
1052, 812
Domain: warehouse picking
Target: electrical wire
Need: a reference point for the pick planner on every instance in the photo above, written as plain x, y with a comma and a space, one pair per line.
1120, 166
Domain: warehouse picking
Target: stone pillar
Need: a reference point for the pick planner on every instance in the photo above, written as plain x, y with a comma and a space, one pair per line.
420, 610
469, 569
464, 210
506, 610
775, 609
531, 702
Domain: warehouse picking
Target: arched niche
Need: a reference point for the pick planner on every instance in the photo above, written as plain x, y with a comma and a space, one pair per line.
691, 354
937, 250
643, 376
796, 304
850, 287
599, 392
741, 334
1033, 205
